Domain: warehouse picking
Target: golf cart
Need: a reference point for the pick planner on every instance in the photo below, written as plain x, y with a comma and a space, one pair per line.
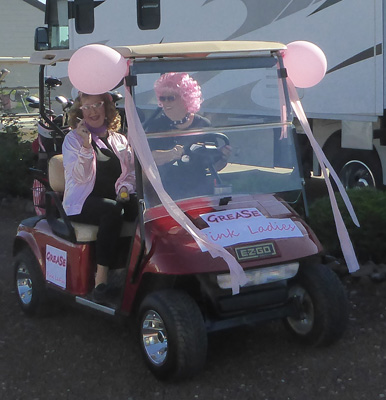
177, 291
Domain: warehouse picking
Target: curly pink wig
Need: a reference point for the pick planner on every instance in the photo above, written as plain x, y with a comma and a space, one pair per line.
183, 85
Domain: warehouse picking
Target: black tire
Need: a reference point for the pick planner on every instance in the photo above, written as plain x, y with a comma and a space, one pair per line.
355, 168
323, 306
172, 334
29, 284
359, 169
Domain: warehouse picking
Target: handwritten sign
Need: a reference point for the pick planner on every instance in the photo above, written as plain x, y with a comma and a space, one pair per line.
246, 225
56, 266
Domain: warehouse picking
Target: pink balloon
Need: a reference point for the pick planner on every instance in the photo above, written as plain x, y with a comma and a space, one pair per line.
306, 63
96, 69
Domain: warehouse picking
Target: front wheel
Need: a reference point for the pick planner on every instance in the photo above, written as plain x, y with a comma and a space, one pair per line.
172, 335
322, 305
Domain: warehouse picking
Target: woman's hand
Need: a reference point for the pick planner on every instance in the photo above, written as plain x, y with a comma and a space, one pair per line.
177, 152
84, 133
123, 194
162, 157
226, 152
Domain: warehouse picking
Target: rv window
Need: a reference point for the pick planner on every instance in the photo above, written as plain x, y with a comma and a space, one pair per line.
148, 14
84, 16
57, 21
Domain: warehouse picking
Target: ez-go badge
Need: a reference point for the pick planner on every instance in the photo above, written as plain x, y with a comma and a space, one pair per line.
255, 251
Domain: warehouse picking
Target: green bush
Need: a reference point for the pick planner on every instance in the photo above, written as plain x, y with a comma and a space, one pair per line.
369, 240
16, 157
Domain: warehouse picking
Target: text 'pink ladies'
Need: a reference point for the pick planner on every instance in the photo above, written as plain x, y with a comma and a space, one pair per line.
231, 227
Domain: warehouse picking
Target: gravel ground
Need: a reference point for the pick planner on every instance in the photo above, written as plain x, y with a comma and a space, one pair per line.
76, 355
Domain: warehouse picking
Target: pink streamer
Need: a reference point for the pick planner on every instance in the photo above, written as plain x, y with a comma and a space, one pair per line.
137, 138
283, 111
345, 242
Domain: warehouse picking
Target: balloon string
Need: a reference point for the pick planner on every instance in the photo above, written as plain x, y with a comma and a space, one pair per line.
345, 242
137, 138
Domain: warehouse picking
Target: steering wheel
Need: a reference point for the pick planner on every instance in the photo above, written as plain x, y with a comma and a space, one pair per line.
204, 153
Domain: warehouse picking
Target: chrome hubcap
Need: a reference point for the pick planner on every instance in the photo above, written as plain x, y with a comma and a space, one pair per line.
303, 325
154, 336
356, 174
24, 285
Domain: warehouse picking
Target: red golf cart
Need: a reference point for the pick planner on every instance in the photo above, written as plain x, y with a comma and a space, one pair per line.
176, 290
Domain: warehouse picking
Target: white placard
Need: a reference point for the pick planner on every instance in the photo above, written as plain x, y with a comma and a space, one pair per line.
246, 225
56, 266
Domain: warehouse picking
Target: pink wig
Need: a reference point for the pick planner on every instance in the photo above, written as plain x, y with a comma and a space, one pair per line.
183, 85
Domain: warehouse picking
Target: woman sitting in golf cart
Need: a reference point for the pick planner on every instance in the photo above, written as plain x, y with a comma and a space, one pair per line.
99, 177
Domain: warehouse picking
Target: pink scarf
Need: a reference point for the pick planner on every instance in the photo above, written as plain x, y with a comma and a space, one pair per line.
95, 132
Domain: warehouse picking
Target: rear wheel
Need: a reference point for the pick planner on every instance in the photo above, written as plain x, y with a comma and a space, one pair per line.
355, 168
360, 171
322, 303
29, 283
172, 335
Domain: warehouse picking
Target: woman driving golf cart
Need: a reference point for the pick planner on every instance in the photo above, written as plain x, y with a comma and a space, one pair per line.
180, 98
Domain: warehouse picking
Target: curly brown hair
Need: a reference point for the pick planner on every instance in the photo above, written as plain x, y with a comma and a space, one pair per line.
113, 120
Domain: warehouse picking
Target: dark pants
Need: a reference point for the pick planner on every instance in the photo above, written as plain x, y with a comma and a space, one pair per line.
108, 215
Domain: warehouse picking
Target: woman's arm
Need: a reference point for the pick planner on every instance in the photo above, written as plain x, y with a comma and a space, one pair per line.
78, 160
225, 154
162, 157
126, 181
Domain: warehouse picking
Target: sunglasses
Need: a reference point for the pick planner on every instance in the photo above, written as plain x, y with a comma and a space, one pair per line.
166, 98
94, 106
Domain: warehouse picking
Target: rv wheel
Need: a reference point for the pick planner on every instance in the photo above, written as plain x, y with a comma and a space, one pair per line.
322, 306
29, 283
357, 168
172, 335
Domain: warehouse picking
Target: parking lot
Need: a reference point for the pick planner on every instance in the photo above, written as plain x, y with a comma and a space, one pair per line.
75, 355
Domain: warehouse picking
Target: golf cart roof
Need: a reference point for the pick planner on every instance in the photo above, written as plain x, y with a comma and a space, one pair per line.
181, 49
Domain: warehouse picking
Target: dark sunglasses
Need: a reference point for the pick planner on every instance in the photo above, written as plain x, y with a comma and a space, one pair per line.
167, 98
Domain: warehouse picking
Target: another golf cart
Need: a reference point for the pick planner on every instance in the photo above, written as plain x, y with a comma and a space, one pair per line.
178, 292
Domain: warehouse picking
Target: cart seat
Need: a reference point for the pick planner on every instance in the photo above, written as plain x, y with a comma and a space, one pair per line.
83, 232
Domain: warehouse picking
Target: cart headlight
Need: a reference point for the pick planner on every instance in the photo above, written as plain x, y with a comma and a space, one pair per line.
262, 275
